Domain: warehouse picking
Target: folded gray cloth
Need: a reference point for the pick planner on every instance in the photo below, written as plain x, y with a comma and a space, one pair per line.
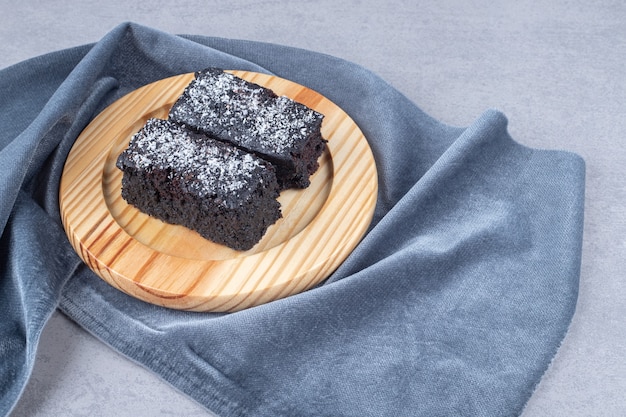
453, 304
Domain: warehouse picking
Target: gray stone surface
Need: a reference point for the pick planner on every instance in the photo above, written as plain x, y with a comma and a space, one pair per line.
555, 70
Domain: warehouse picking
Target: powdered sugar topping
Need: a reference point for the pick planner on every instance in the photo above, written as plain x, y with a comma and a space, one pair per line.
230, 107
207, 167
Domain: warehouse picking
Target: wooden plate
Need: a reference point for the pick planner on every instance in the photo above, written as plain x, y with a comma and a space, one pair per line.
173, 266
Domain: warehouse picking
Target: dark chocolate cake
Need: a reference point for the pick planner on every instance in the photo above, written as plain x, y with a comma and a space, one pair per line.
278, 129
183, 177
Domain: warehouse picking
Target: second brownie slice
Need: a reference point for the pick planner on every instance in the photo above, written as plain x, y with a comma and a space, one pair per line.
254, 118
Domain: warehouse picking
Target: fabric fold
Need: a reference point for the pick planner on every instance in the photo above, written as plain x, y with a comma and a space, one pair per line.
30, 289
454, 303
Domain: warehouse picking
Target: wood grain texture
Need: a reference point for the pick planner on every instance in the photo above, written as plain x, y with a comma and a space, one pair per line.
175, 267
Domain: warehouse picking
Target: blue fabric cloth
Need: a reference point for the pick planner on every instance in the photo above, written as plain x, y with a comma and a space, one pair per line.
453, 304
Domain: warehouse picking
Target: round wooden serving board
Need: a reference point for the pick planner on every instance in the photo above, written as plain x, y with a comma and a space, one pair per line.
173, 266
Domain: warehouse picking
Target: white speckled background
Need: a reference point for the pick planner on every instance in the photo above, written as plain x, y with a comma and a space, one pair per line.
556, 70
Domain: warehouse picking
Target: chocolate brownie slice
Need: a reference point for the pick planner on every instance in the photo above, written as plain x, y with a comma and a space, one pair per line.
254, 118
186, 178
